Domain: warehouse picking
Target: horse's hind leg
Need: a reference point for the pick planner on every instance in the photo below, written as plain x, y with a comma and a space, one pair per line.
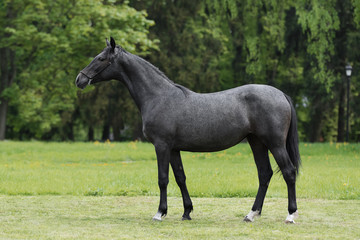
289, 173
265, 173
180, 177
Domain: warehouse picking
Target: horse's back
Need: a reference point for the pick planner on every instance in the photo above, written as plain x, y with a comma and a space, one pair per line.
216, 121
210, 122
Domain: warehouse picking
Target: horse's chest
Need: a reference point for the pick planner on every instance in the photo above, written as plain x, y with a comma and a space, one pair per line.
154, 129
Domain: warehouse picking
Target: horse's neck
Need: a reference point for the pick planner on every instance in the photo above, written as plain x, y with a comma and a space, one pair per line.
146, 83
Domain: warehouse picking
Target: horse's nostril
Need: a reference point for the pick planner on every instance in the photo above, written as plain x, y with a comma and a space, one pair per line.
77, 80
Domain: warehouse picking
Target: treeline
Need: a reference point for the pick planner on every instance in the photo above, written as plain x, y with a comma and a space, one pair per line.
300, 47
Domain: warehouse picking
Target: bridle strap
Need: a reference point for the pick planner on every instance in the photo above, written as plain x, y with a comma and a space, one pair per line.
92, 77
84, 74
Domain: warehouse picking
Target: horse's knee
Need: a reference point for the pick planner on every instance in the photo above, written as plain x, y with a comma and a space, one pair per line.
163, 182
181, 181
179, 174
286, 167
265, 177
269, 174
289, 175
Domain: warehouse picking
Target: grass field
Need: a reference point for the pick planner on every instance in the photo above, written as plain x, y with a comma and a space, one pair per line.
76, 217
47, 191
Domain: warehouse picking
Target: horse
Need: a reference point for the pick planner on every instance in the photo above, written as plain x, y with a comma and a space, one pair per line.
175, 119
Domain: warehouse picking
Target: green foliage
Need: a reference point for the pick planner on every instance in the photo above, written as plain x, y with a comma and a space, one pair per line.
300, 47
356, 5
319, 19
48, 38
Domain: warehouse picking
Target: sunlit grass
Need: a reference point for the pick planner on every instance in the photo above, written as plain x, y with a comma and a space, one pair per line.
329, 171
78, 171
79, 217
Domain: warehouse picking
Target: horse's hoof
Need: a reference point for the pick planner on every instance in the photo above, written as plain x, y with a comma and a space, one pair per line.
251, 216
158, 216
290, 219
247, 219
186, 218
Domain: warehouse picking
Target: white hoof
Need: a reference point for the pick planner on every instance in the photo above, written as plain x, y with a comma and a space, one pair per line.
291, 217
251, 216
157, 216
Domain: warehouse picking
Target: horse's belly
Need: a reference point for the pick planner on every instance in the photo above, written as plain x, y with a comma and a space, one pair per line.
209, 138
206, 147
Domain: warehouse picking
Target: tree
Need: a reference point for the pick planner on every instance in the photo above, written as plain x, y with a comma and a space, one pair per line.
48, 43
193, 46
7, 65
300, 47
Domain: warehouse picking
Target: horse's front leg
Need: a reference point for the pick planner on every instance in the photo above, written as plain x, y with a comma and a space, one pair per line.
163, 159
180, 177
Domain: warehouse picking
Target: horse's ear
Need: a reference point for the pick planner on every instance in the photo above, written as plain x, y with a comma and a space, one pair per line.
107, 42
112, 43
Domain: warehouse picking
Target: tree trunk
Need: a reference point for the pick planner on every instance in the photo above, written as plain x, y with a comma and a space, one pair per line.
315, 135
116, 131
91, 134
106, 132
70, 131
316, 122
3, 112
117, 125
7, 76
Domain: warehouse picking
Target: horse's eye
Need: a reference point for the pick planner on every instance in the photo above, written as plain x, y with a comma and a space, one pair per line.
101, 59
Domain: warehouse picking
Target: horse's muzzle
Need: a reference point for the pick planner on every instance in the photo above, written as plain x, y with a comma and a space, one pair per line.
81, 81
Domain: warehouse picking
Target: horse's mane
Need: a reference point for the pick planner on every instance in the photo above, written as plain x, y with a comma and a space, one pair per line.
158, 71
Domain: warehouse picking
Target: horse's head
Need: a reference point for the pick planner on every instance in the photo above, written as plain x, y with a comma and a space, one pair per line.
101, 68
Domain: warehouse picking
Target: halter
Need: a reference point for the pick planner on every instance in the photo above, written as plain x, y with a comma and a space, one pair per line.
92, 74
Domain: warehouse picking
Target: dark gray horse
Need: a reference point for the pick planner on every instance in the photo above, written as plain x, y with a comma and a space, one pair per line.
177, 119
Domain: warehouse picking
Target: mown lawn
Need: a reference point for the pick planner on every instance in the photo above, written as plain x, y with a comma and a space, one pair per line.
78, 217
109, 191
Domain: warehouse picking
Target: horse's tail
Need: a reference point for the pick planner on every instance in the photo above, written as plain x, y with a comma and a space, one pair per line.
292, 140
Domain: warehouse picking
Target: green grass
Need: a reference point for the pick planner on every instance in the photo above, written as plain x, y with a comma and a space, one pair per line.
329, 171
76, 217
47, 191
